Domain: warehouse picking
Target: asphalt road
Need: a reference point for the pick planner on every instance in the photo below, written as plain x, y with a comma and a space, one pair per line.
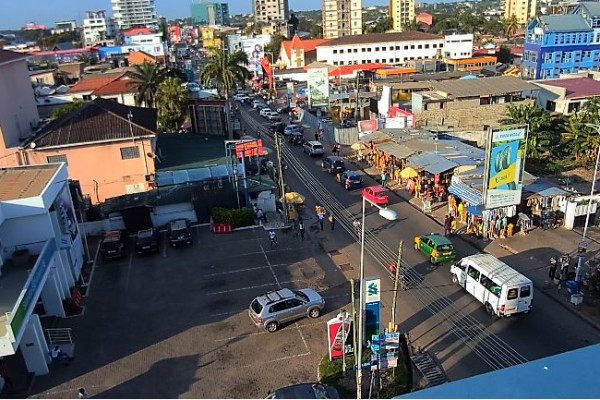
439, 316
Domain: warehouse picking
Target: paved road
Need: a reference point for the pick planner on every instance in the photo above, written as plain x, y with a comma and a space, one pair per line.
440, 317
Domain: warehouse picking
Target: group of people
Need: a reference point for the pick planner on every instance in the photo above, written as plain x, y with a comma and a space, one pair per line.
559, 270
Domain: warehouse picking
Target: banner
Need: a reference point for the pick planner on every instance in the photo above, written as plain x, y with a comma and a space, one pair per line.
383, 105
367, 126
266, 64
318, 87
339, 339
504, 166
249, 149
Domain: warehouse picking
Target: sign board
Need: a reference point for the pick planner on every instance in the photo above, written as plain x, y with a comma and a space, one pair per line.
249, 149
367, 126
338, 338
504, 166
372, 290
290, 88
318, 87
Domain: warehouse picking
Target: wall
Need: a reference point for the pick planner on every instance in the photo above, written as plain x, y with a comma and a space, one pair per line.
161, 215
458, 46
25, 232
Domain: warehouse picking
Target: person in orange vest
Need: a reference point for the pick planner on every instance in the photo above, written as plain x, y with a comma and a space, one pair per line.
347, 185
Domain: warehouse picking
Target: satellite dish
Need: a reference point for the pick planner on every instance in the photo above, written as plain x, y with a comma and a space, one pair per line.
151, 154
32, 145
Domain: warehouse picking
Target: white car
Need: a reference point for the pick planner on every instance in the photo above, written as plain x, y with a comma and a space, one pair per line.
241, 97
273, 116
258, 104
264, 112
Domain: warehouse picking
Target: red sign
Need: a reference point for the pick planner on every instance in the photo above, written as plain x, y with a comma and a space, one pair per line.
249, 149
369, 125
339, 338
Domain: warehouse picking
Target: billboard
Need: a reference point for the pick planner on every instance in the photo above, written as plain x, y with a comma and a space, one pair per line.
367, 126
249, 149
318, 87
504, 166
339, 338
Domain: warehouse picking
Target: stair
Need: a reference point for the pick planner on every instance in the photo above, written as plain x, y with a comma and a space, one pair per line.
430, 370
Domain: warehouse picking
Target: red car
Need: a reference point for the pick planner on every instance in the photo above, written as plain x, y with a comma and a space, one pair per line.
376, 195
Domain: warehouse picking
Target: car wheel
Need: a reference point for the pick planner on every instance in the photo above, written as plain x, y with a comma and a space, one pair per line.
489, 309
432, 260
272, 326
314, 312
416, 246
455, 279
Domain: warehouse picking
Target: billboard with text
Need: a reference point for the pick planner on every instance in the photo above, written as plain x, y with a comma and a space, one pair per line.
318, 87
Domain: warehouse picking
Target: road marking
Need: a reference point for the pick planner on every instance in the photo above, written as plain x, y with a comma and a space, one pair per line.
302, 336
270, 267
129, 271
278, 359
89, 282
244, 270
251, 287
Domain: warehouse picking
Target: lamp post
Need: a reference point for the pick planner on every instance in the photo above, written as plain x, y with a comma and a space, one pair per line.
235, 181
390, 215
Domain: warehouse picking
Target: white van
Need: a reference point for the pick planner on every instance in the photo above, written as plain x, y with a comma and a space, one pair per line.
502, 290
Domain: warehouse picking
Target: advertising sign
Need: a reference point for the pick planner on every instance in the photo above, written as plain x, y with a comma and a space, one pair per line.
372, 307
372, 290
249, 149
367, 126
338, 338
66, 216
318, 87
290, 88
505, 162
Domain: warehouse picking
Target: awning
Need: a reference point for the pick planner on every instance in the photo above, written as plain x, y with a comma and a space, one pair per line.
441, 165
431, 162
542, 188
466, 193
475, 210
395, 149
375, 136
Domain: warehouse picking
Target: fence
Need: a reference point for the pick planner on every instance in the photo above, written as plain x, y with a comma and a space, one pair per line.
331, 133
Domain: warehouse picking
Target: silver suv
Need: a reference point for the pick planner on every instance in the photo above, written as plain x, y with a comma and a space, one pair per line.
272, 309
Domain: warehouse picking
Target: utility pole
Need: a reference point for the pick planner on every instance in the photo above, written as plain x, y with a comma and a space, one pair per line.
355, 330
397, 278
281, 183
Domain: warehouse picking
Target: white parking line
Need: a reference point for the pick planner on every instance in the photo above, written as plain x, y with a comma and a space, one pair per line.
89, 282
244, 270
251, 287
270, 267
302, 336
278, 359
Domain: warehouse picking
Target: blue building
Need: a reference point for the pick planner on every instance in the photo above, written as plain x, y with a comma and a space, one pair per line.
210, 13
563, 44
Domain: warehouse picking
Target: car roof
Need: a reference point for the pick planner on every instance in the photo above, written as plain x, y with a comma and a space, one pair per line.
276, 295
439, 239
376, 189
307, 391
178, 224
112, 236
352, 173
314, 142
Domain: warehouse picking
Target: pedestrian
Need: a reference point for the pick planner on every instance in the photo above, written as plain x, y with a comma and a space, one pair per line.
301, 228
259, 215
321, 220
447, 225
82, 394
317, 135
383, 176
453, 226
273, 238
332, 221
552, 271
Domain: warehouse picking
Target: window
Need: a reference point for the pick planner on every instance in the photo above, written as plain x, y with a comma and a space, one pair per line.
406, 47
341, 51
433, 46
356, 50
293, 303
377, 60
278, 307
427, 46
57, 159
384, 60
473, 273
376, 48
383, 48
397, 47
334, 51
420, 46
128, 153
412, 46
512, 294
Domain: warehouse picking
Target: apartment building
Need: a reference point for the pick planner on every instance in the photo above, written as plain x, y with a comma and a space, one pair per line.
458, 46
524, 10
64, 26
210, 13
385, 48
402, 12
341, 18
94, 28
270, 10
563, 44
135, 14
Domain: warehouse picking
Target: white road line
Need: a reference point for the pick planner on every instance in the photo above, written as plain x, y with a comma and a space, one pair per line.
244, 270
129, 271
302, 336
278, 359
270, 267
89, 282
226, 313
250, 287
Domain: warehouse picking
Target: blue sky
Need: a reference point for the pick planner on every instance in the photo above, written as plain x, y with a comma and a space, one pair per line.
16, 13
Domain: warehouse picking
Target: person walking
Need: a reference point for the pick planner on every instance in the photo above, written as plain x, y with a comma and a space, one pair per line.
453, 226
332, 221
383, 177
552, 271
321, 220
301, 228
447, 225
259, 215
82, 394
317, 135
273, 238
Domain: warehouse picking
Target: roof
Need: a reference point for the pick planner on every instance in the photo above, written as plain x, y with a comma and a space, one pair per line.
137, 31
98, 120
296, 43
349, 69
64, 46
593, 7
575, 88
10, 56
541, 188
24, 182
118, 86
494, 268
431, 162
497, 85
394, 149
564, 23
439, 239
375, 136
89, 83
182, 151
380, 38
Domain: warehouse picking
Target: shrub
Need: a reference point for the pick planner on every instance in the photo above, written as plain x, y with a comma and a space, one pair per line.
221, 215
237, 218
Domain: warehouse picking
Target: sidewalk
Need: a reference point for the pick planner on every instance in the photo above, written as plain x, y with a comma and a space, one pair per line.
529, 254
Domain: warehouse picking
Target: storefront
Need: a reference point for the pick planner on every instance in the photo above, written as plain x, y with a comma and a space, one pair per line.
545, 203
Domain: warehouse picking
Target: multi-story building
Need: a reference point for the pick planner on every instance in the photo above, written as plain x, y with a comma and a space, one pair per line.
524, 10
562, 44
386, 48
64, 26
135, 14
141, 36
458, 46
341, 18
94, 30
402, 12
270, 10
210, 13
297, 53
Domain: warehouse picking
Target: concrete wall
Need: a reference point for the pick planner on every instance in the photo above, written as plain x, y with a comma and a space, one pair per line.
163, 214
25, 233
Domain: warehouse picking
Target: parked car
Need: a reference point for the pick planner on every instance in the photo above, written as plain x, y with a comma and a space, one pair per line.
147, 241
264, 111
258, 104
277, 127
273, 116
376, 195
241, 97
333, 164
284, 109
351, 180
437, 247
296, 138
272, 309
305, 391
114, 244
313, 148
293, 128
179, 232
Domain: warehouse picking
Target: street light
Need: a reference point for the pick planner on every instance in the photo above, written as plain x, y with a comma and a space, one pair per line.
390, 215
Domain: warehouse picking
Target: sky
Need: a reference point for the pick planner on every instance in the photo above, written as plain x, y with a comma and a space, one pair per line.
16, 13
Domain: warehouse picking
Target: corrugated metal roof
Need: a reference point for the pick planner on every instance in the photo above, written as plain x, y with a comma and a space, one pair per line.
431, 162
484, 86
375, 136
593, 7
541, 188
564, 23
440, 166
395, 149
466, 193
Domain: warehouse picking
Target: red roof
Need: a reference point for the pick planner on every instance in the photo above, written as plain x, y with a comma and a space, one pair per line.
577, 87
349, 69
94, 83
118, 86
137, 31
297, 43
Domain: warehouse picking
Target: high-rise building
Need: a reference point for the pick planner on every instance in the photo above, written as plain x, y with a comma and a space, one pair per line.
270, 10
402, 12
210, 13
341, 18
135, 14
524, 10
94, 26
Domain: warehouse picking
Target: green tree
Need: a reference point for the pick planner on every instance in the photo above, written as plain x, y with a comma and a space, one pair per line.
224, 70
580, 140
316, 31
384, 25
273, 47
64, 110
504, 55
510, 26
171, 103
146, 77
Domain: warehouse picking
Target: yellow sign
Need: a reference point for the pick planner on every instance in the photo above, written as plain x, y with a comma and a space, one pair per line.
504, 177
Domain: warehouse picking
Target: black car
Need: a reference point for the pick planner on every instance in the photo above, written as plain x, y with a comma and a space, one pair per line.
277, 127
180, 232
333, 164
114, 244
296, 138
305, 391
146, 241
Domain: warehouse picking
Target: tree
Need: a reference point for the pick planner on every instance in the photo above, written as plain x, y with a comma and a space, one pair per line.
580, 140
146, 78
225, 70
171, 102
384, 25
316, 31
64, 110
274, 46
510, 26
504, 55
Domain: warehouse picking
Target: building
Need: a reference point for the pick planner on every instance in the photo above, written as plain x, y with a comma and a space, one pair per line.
341, 18
425, 18
41, 255
270, 10
94, 28
386, 48
130, 14
563, 44
523, 10
401, 12
139, 58
458, 46
210, 13
64, 26
142, 36
567, 95
298, 53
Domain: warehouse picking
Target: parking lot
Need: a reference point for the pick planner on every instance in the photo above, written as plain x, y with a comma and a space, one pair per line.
176, 324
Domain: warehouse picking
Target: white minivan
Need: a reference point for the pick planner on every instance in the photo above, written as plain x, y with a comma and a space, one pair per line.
502, 290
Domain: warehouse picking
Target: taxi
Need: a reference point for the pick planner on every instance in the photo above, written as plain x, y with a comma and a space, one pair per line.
437, 247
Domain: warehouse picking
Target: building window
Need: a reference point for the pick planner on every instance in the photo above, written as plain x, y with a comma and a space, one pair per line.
356, 50
397, 47
384, 60
128, 153
341, 51
406, 47
420, 46
57, 159
427, 46
412, 46
376, 49
368, 49
383, 48
335, 52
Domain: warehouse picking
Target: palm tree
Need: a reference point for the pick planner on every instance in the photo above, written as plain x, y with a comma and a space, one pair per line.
510, 25
171, 102
146, 78
225, 70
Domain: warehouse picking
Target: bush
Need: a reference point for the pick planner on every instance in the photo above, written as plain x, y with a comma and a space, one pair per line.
237, 218
221, 215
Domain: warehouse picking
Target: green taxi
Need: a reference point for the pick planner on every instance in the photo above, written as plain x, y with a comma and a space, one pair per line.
438, 247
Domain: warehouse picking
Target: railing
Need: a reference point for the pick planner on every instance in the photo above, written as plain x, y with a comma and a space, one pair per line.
59, 336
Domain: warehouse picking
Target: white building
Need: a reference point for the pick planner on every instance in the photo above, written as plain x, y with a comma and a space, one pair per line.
41, 255
270, 10
458, 46
386, 48
135, 14
341, 18
64, 26
137, 38
94, 28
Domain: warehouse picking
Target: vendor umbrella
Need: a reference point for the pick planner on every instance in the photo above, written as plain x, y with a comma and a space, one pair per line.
358, 146
294, 198
408, 173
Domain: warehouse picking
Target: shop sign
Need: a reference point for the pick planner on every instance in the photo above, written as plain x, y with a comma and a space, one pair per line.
339, 338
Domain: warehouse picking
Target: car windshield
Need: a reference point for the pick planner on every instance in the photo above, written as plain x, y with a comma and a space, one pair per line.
380, 194
301, 296
445, 247
256, 306
145, 234
317, 147
179, 232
